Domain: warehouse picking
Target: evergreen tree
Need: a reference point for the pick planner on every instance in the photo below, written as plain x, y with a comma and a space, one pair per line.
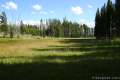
109, 13
104, 21
65, 25
22, 28
4, 26
11, 31
97, 25
86, 30
117, 17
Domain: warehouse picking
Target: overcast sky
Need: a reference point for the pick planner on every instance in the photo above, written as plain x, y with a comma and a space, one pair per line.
31, 11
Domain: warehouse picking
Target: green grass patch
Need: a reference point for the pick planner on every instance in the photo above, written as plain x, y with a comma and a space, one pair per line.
58, 59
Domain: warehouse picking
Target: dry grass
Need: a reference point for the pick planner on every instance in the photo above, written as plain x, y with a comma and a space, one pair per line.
58, 59
23, 47
30, 50
21, 50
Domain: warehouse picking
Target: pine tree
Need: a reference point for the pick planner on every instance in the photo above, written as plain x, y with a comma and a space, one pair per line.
4, 26
109, 13
103, 20
22, 27
11, 31
97, 24
117, 17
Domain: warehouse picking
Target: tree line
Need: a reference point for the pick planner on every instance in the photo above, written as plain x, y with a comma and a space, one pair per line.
48, 28
107, 21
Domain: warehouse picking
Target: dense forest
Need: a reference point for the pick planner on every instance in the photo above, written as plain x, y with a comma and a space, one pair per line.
107, 26
60, 49
48, 28
107, 21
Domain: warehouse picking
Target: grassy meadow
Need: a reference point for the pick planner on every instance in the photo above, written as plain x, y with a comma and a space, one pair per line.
58, 59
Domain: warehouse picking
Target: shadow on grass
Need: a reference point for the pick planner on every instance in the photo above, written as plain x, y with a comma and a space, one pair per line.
81, 49
91, 46
100, 62
83, 70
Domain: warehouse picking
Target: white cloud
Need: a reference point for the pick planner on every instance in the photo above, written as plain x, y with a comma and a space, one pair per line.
90, 6
77, 10
43, 12
10, 5
40, 12
52, 12
37, 7
91, 24
31, 22
88, 23
82, 21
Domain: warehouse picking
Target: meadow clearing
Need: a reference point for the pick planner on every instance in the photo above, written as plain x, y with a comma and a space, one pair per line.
58, 59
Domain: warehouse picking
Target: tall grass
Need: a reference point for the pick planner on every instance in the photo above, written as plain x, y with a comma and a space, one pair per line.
26, 50
58, 59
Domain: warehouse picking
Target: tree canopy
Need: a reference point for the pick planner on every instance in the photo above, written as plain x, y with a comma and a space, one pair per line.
107, 21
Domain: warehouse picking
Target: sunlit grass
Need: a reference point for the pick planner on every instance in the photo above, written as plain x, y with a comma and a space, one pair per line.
18, 50
57, 59
39, 50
